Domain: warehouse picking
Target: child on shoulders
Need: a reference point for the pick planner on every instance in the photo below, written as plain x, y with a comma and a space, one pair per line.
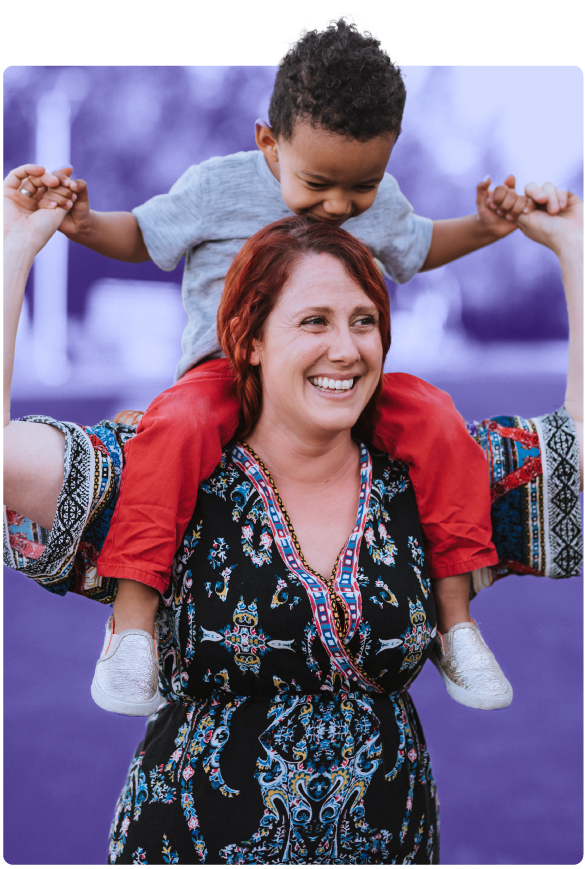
334, 119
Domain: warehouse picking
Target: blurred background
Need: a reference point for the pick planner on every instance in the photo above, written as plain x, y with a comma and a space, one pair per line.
97, 336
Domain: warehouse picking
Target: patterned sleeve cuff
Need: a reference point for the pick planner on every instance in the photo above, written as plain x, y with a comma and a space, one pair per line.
560, 494
48, 556
64, 559
536, 512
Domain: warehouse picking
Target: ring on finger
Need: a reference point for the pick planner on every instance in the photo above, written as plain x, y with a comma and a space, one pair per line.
26, 192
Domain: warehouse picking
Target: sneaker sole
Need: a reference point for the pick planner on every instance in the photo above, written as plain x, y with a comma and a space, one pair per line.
468, 698
124, 707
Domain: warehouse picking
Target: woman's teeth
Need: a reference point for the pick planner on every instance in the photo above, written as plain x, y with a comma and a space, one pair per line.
332, 385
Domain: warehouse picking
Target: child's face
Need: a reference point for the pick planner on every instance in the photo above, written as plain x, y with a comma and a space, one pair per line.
328, 175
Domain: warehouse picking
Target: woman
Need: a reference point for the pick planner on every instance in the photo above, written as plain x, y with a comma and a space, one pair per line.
283, 744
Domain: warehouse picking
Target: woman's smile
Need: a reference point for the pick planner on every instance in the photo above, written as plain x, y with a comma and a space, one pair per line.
334, 385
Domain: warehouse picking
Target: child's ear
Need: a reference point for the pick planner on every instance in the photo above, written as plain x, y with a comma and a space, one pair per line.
266, 142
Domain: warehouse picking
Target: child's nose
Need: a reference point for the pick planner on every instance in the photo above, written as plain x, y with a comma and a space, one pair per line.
337, 207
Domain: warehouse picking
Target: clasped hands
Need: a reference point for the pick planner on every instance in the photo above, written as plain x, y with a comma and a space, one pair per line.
499, 210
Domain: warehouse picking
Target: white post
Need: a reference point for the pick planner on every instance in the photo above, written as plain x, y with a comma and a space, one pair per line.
53, 146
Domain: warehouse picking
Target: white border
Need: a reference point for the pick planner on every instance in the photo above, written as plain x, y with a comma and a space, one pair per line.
187, 32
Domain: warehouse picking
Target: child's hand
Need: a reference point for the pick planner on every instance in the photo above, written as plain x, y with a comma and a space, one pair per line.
76, 221
67, 193
498, 209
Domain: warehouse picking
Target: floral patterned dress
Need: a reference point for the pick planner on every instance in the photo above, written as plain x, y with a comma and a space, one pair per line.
288, 735
536, 517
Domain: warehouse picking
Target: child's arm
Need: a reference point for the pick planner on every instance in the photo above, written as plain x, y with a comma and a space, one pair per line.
115, 234
497, 211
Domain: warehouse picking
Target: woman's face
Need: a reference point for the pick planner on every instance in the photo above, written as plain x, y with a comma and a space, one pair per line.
321, 353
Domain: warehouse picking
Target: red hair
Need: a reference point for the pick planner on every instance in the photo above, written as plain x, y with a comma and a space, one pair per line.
254, 281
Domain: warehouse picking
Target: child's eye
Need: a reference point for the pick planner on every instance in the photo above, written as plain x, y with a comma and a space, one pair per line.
314, 185
366, 188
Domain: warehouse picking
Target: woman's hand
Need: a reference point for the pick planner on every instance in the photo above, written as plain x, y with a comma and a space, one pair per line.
27, 228
555, 231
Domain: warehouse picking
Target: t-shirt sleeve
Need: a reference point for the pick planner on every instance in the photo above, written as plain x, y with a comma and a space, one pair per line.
536, 511
64, 558
172, 223
400, 239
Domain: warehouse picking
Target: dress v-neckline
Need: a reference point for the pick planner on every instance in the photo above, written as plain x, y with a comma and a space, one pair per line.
342, 587
336, 603
290, 526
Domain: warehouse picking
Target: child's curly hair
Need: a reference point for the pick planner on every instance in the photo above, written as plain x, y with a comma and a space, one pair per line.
338, 79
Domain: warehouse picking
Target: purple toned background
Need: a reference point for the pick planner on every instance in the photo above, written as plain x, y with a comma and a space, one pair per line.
98, 336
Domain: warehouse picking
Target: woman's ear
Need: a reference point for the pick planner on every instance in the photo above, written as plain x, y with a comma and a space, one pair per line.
255, 357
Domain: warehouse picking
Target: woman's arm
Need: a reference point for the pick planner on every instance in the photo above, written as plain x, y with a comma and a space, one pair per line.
536, 464
563, 234
33, 453
572, 270
571, 263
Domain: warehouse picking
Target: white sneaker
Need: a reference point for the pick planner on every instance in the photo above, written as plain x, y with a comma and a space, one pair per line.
470, 672
126, 674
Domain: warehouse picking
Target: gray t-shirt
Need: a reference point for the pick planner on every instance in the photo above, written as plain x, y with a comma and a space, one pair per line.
216, 206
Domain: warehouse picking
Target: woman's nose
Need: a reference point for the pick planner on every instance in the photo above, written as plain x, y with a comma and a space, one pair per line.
343, 347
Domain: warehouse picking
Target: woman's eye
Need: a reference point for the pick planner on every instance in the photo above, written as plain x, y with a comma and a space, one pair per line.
366, 321
314, 321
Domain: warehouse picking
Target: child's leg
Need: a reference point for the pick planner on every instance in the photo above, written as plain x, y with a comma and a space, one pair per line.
135, 606
419, 424
451, 596
177, 445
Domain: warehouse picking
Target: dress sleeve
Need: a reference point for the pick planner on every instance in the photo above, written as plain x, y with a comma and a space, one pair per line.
64, 558
534, 480
172, 223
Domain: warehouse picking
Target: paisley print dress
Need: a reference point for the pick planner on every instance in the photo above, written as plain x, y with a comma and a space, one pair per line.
288, 735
